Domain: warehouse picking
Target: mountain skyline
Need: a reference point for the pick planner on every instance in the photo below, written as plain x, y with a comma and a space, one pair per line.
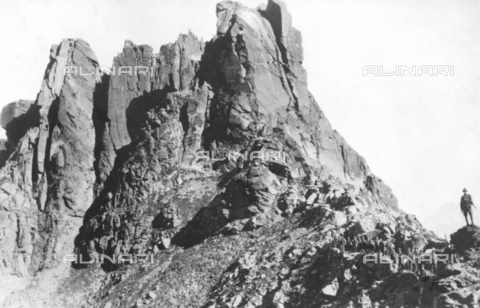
408, 128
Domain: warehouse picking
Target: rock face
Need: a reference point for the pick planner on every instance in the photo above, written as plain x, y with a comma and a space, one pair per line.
140, 81
162, 109
213, 157
47, 184
4, 152
255, 69
466, 238
18, 116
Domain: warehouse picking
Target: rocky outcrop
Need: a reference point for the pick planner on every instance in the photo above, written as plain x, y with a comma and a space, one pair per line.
4, 152
162, 109
466, 238
254, 66
131, 80
380, 190
244, 93
47, 184
17, 118
292, 261
216, 159
13, 111
139, 81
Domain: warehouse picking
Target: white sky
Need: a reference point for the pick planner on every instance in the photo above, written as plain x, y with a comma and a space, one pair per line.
420, 134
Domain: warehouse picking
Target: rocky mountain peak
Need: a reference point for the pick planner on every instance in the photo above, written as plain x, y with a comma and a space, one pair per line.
214, 159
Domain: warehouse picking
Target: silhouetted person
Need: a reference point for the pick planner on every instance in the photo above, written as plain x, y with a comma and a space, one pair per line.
466, 204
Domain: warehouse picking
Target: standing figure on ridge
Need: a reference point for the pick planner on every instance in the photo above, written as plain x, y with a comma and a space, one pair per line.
466, 203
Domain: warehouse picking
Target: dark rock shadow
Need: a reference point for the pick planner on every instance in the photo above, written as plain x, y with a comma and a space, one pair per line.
206, 223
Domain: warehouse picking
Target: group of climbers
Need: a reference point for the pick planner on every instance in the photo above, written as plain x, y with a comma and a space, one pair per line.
117, 231
114, 234
385, 241
366, 244
328, 192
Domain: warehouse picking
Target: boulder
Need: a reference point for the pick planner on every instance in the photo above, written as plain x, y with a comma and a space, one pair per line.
331, 289
466, 238
14, 111
361, 227
340, 218
16, 118
419, 241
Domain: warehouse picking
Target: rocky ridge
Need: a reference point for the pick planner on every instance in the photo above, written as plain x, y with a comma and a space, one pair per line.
109, 164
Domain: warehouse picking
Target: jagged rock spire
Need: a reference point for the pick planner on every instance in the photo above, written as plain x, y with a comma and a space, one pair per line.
49, 178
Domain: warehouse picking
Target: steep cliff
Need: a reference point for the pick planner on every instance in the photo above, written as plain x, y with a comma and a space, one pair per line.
47, 183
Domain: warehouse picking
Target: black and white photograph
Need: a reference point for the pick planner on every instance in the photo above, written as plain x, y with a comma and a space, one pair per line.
240, 154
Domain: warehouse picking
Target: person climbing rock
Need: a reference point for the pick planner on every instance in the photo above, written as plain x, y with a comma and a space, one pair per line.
355, 244
313, 193
466, 204
434, 260
107, 203
364, 300
289, 201
450, 251
240, 164
92, 252
103, 242
342, 243
381, 246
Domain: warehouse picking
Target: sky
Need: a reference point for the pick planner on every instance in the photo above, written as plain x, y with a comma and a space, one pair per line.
418, 133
